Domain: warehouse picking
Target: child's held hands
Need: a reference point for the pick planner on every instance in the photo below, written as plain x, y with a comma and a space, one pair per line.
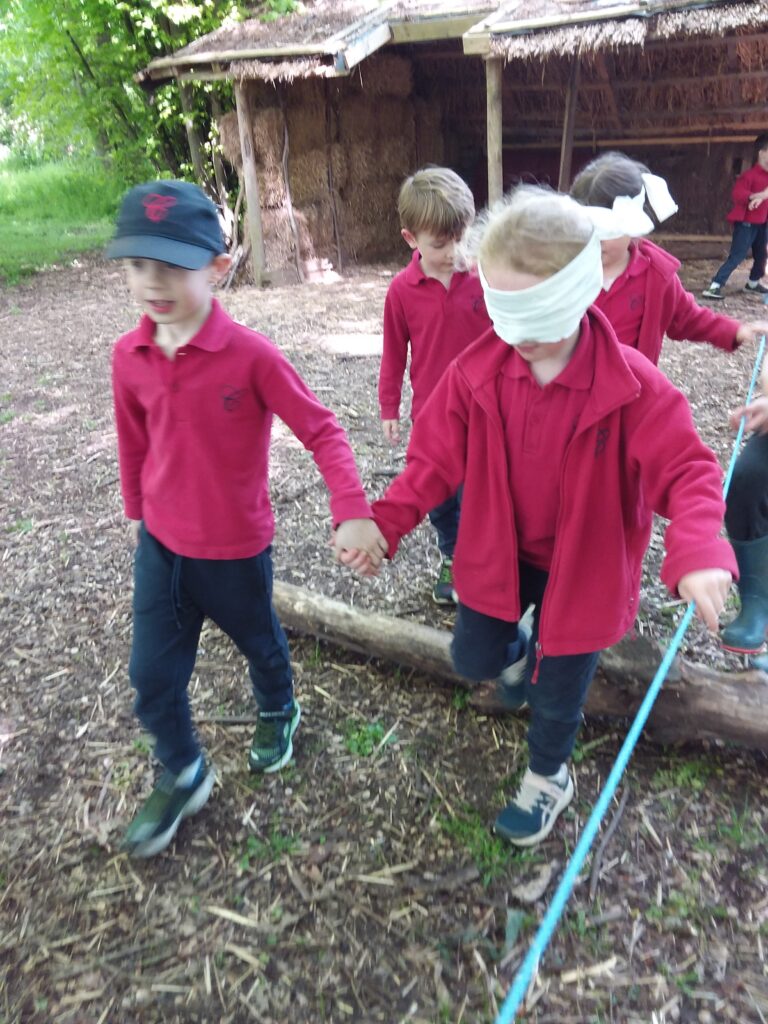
709, 589
391, 429
755, 414
360, 545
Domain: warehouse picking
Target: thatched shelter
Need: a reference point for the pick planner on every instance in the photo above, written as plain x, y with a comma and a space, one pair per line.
336, 105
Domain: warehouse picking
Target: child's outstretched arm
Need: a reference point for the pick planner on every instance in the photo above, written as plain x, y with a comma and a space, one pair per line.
756, 412
682, 481
394, 357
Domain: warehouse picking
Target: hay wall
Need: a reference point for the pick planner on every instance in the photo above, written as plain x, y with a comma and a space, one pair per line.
351, 143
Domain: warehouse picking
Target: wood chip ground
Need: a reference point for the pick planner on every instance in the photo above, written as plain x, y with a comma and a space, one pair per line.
361, 884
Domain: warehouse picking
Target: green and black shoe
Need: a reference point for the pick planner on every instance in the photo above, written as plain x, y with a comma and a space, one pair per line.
174, 798
272, 745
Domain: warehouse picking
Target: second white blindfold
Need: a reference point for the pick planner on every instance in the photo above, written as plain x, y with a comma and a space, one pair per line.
627, 215
551, 310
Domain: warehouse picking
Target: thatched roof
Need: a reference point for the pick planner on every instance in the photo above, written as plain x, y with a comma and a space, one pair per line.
326, 38
568, 27
647, 67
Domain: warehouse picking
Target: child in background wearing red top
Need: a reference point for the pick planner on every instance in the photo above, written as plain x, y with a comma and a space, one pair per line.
566, 443
642, 295
748, 215
436, 311
194, 395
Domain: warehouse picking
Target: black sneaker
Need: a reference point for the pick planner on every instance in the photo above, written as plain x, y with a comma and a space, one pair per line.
756, 288
272, 745
714, 291
443, 592
172, 800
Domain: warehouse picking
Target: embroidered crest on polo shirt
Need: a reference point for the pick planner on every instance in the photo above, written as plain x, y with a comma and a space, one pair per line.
231, 397
157, 206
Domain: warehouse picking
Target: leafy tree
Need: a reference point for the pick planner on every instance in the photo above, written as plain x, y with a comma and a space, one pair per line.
66, 75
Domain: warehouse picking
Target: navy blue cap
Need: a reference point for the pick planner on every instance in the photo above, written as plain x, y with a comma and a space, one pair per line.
171, 221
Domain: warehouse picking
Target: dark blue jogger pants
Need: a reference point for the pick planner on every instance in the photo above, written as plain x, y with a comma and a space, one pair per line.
483, 646
172, 597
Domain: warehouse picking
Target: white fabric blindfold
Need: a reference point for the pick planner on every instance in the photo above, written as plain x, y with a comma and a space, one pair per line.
627, 216
552, 309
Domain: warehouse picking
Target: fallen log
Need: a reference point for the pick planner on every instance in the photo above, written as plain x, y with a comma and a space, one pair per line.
695, 703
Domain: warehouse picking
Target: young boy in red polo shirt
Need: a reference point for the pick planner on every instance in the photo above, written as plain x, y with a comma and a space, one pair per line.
195, 393
749, 216
434, 310
642, 295
566, 443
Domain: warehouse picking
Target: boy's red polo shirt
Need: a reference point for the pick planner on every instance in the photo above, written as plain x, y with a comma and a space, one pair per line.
194, 433
437, 322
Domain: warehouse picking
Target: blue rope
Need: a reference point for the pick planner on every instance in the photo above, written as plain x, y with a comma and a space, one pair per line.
555, 910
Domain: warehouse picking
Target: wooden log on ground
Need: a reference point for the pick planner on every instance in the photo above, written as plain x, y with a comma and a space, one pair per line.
695, 702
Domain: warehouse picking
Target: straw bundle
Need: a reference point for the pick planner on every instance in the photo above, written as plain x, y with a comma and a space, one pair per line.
394, 119
361, 162
229, 136
306, 125
318, 219
396, 157
386, 75
267, 131
308, 175
430, 146
355, 118
271, 185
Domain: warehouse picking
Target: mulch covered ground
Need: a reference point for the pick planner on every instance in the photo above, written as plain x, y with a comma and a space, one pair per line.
361, 883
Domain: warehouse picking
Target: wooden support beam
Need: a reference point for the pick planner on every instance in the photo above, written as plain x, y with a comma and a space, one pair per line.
569, 123
251, 181
494, 123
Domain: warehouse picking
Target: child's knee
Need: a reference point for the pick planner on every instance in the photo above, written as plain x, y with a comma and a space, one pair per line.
475, 662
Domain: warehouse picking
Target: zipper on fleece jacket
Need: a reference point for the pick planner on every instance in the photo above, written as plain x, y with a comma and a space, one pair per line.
558, 532
539, 656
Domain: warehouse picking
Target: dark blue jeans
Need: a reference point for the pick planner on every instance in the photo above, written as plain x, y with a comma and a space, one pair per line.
172, 597
482, 646
445, 519
746, 507
745, 237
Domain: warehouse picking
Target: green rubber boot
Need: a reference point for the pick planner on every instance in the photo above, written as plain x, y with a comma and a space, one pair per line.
746, 634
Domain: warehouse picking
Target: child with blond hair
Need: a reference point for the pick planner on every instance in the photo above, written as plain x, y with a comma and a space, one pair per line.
433, 310
566, 443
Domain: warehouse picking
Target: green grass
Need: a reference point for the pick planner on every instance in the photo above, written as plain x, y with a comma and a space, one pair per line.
52, 212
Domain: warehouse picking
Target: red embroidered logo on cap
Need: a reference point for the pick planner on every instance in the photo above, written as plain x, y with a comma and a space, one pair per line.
157, 206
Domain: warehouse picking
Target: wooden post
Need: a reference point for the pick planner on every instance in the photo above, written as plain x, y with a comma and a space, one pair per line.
569, 123
493, 78
252, 201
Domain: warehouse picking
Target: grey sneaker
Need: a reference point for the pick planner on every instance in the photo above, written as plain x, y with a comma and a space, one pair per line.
714, 291
536, 807
173, 799
756, 288
272, 745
